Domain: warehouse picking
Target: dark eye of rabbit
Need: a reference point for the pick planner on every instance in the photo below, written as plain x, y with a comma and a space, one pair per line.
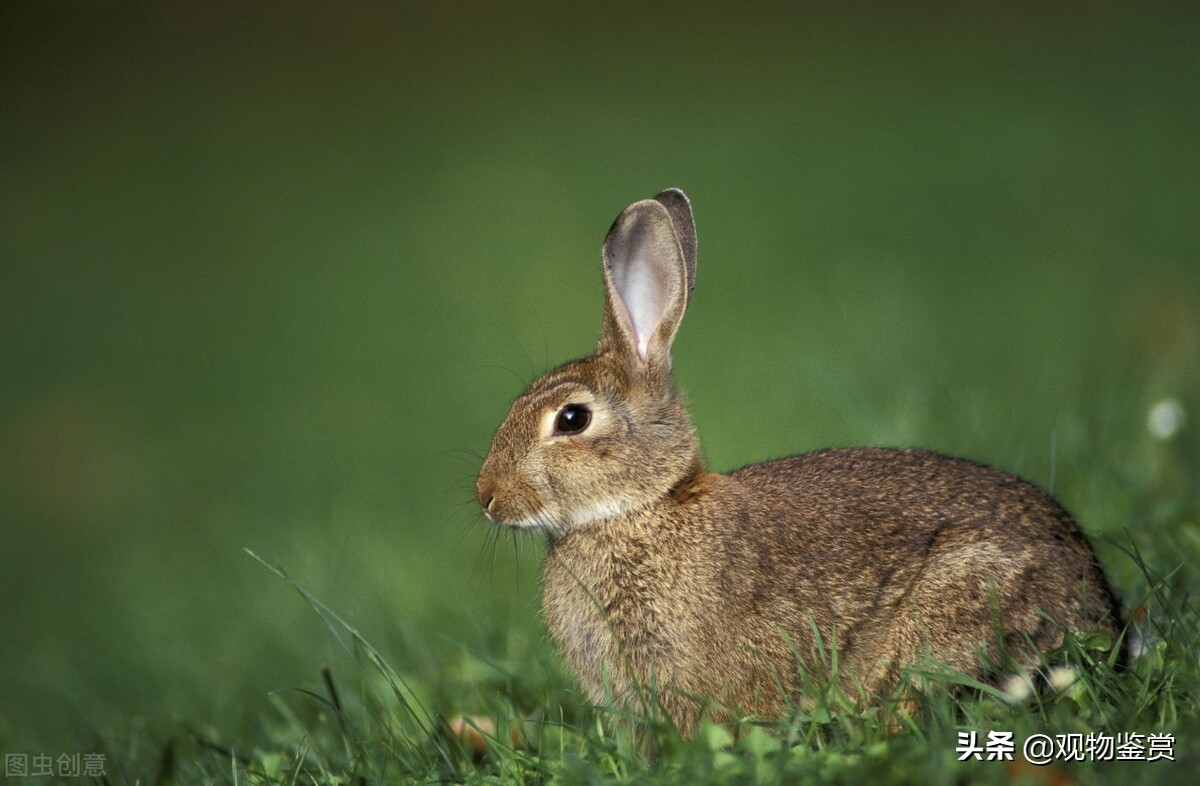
573, 419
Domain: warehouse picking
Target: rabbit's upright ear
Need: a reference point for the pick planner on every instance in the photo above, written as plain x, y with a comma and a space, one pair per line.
677, 204
645, 280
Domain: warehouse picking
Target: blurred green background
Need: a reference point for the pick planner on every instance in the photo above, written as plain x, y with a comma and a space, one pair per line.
270, 274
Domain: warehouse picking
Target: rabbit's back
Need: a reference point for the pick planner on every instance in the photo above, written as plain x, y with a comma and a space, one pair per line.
880, 502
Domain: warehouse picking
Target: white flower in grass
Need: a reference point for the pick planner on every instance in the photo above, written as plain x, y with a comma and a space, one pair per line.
1165, 418
1062, 677
1018, 688
1137, 646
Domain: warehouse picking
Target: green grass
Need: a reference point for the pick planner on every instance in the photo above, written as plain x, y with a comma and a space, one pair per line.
271, 275
390, 726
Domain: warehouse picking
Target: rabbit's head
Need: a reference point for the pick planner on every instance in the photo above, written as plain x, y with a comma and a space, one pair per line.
607, 434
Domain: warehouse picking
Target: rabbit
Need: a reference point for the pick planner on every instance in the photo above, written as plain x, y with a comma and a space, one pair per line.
708, 587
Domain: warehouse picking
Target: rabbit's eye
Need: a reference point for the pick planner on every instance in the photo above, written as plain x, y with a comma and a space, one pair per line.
573, 419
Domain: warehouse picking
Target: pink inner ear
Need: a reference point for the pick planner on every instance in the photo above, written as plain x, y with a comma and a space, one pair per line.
642, 294
642, 264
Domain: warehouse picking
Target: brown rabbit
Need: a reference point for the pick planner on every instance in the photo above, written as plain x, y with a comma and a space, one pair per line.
708, 586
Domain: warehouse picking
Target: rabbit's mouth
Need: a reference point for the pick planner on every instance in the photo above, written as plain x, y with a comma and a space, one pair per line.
539, 521
511, 505
512, 509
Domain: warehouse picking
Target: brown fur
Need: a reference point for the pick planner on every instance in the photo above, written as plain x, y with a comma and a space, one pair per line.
708, 586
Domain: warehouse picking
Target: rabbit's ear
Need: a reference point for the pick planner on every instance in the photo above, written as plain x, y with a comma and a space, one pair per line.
645, 281
677, 204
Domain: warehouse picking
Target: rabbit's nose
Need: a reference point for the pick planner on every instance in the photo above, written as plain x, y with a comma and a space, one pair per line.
485, 493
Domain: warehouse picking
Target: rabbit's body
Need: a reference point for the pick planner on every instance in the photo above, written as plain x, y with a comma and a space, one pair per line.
712, 593
699, 585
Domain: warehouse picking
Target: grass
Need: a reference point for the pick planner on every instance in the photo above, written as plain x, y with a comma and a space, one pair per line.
391, 728
272, 275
